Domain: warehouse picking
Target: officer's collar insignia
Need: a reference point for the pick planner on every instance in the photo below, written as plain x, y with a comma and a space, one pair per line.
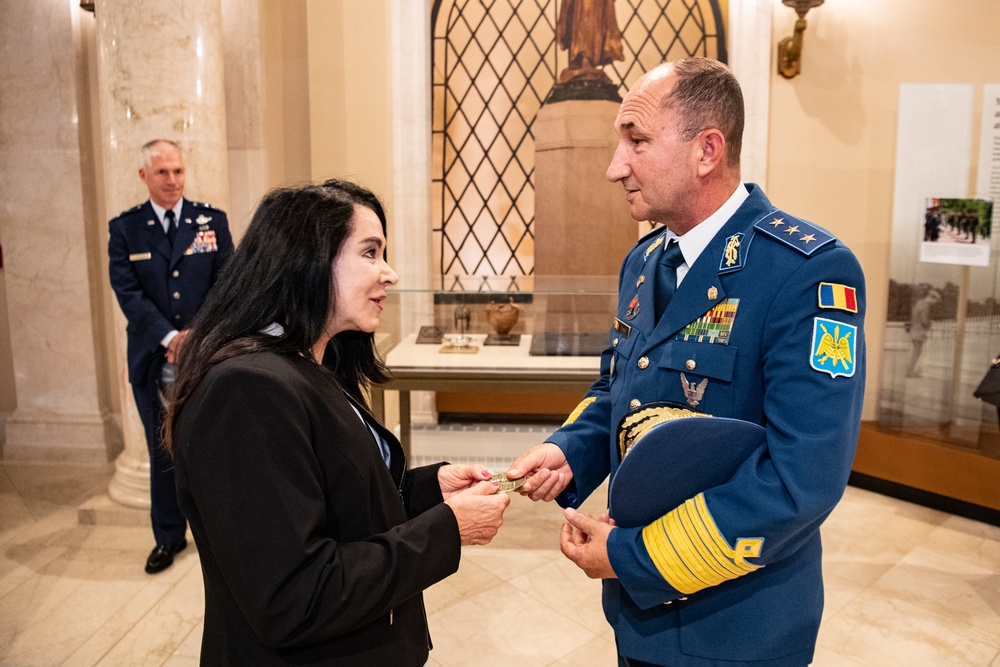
693, 392
150, 223
652, 246
732, 257
834, 347
633, 308
839, 297
712, 327
202, 219
623, 328
798, 234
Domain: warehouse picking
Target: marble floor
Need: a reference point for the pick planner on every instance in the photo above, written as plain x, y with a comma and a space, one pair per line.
906, 585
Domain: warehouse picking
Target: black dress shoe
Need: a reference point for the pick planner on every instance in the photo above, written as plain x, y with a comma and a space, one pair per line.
162, 557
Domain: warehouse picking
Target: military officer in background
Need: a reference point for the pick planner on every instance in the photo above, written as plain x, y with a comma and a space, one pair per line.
762, 320
164, 254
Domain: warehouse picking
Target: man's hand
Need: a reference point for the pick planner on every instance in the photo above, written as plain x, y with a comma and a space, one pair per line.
584, 540
174, 346
479, 512
453, 478
547, 471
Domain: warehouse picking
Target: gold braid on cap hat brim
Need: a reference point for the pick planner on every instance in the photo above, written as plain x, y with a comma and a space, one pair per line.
640, 421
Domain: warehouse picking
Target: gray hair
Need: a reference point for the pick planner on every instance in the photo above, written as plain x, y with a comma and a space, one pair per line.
155, 147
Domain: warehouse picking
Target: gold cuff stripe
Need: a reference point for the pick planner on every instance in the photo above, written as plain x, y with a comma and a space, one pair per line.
691, 553
578, 410
709, 537
662, 552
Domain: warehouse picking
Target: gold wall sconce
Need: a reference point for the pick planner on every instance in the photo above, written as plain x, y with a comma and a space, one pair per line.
790, 48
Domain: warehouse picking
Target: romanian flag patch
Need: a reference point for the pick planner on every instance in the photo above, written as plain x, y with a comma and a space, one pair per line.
839, 297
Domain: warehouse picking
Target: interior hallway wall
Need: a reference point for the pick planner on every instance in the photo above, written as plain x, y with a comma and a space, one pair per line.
832, 148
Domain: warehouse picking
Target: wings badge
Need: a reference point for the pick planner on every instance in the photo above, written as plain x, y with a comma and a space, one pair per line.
834, 347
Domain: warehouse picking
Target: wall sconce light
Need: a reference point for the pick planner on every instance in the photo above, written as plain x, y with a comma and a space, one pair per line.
790, 48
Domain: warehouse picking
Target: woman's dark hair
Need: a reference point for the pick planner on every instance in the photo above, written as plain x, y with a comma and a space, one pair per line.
282, 273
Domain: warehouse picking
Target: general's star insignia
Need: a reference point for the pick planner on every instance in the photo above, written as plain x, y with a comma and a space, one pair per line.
791, 230
808, 237
777, 221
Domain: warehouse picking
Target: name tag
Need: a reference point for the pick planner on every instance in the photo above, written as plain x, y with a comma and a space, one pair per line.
139, 256
622, 328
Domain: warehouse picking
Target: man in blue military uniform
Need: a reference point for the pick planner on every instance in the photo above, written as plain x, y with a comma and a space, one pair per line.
762, 321
164, 255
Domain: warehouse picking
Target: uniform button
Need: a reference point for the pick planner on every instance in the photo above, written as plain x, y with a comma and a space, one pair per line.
177, 295
177, 318
615, 343
690, 364
634, 403
643, 362
176, 274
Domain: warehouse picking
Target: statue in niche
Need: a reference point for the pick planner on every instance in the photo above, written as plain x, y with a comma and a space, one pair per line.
588, 30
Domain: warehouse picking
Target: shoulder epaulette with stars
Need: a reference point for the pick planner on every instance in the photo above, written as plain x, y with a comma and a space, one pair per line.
205, 205
128, 211
795, 233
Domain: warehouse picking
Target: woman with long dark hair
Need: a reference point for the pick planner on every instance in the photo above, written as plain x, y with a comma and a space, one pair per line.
315, 541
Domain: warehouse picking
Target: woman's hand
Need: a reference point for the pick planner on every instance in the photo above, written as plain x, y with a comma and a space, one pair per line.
479, 512
455, 478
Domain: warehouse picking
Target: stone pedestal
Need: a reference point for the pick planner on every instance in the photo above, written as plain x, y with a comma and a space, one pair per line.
160, 74
582, 222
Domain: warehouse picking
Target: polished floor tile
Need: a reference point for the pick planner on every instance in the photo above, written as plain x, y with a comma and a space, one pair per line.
906, 585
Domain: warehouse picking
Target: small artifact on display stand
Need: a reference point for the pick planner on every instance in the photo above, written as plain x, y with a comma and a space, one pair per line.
461, 342
430, 335
502, 317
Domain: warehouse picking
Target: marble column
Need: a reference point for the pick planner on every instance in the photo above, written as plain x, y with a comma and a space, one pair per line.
160, 75
58, 390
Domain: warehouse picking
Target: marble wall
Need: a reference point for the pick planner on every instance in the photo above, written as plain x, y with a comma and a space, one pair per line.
59, 414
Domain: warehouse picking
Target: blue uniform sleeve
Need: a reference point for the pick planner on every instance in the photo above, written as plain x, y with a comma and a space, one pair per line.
585, 436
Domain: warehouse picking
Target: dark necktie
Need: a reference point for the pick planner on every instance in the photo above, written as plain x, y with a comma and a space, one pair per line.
666, 277
171, 226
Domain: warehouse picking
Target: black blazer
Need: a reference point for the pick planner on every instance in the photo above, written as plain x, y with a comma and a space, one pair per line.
312, 550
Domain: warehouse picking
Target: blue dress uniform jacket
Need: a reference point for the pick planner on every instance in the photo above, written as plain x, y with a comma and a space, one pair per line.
160, 288
771, 315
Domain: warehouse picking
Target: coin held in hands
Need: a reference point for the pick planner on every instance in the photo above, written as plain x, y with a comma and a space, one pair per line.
507, 484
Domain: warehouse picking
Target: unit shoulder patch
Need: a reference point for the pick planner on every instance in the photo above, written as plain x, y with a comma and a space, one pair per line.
792, 232
834, 347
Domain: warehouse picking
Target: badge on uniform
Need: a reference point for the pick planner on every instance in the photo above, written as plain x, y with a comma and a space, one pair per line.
203, 242
633, 308
834, 347
623, 328
714, 326
653, 245
839, 297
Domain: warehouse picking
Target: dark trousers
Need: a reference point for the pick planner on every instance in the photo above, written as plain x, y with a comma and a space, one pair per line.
168, 522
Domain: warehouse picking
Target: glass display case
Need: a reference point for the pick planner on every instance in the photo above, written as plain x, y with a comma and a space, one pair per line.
494, 333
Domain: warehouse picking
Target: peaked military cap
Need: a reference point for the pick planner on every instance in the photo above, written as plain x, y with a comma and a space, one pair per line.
670, 453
